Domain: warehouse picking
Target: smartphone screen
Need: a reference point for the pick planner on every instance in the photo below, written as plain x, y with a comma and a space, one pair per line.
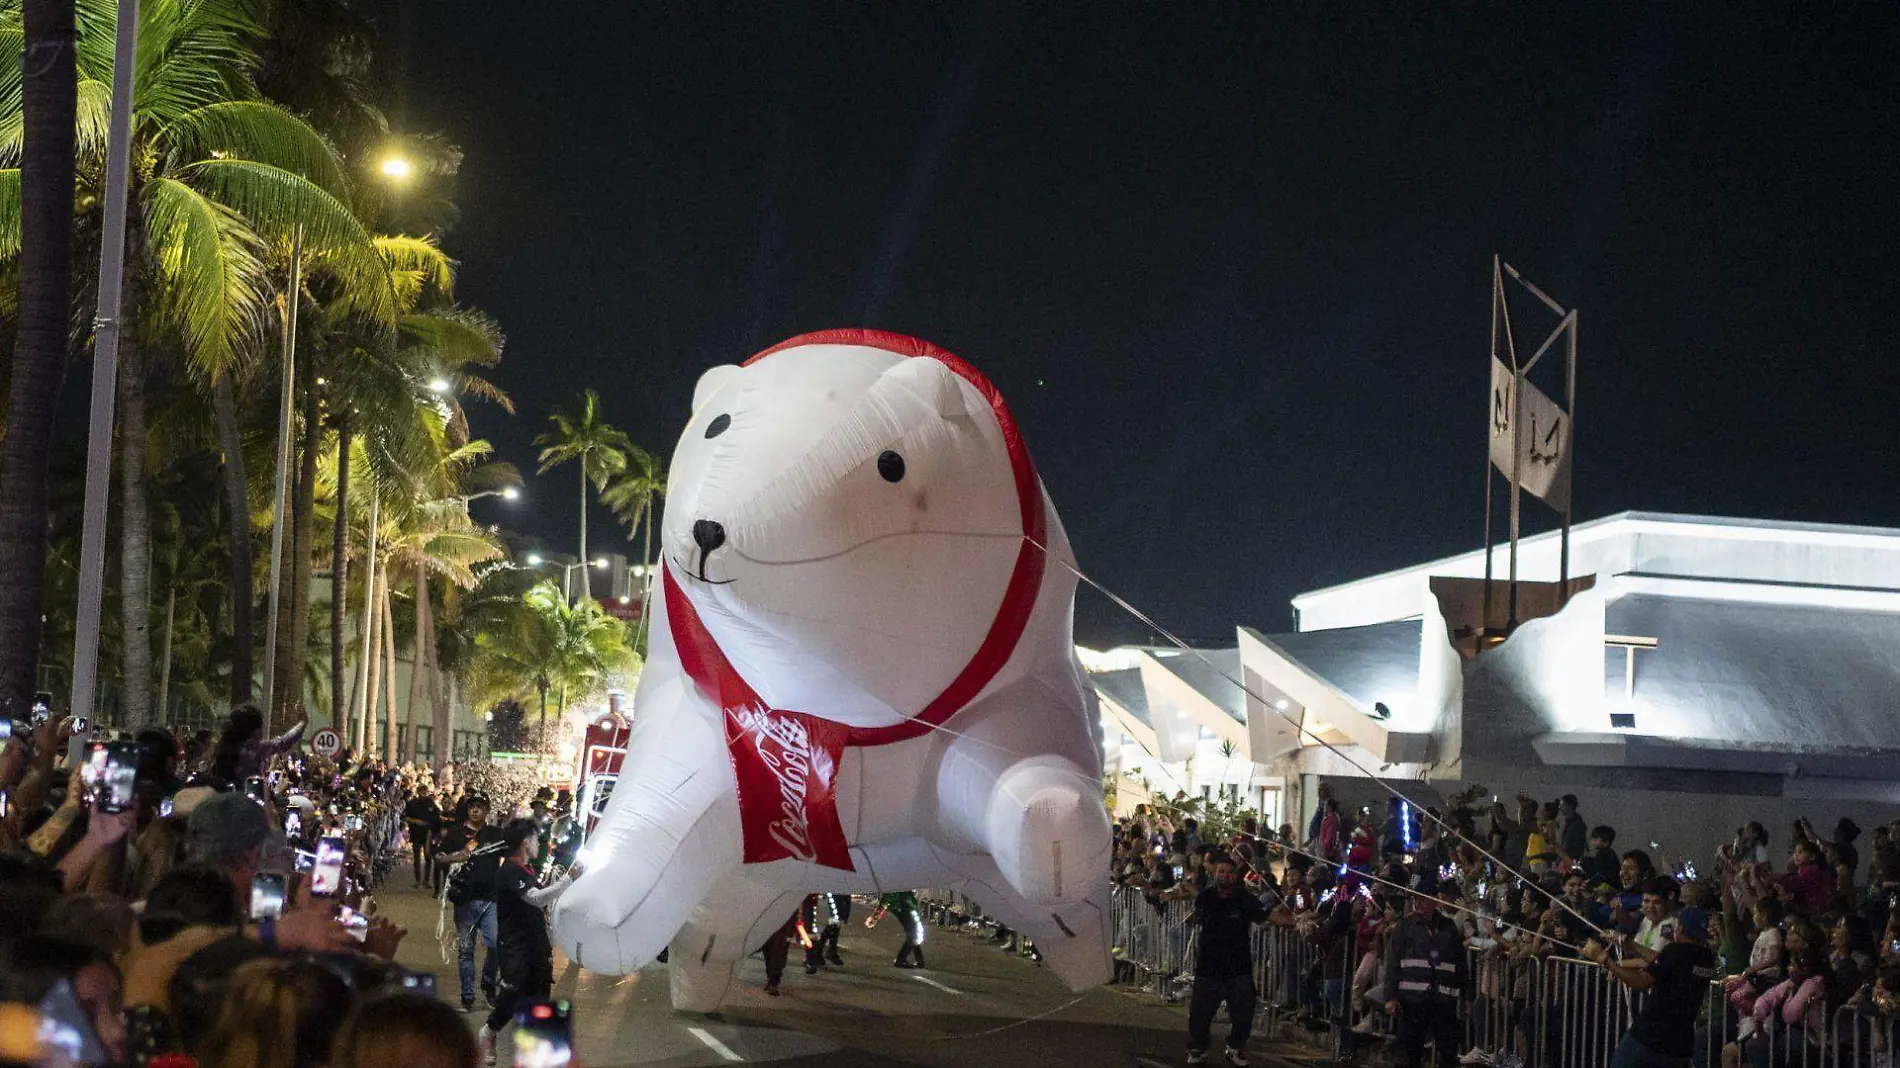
352, 823
66, 1029
93, 773
165, 809
121, 776
293, 824
354, 922
326, 875
6, 728
3, 804
303, 862
544, 1035
267, 895
254, 788
419, 983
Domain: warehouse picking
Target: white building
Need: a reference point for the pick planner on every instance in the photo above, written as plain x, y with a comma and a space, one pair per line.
1752, 664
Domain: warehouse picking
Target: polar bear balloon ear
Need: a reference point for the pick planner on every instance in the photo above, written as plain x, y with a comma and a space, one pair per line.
711, 382
932, 381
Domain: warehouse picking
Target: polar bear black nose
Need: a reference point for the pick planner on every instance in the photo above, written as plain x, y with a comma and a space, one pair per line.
708, 535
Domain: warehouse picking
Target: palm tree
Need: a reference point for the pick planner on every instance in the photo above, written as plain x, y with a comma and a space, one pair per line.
491, 606
549, 644
38, 98
224, 186
601, 449
433, 538
634, 498
389, 418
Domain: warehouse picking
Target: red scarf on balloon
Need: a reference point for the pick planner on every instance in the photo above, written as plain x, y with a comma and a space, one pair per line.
786, 761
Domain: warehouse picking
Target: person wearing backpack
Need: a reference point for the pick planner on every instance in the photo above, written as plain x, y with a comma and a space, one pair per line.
476, 850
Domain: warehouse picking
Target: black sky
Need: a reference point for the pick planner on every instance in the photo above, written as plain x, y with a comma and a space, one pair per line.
1228, 263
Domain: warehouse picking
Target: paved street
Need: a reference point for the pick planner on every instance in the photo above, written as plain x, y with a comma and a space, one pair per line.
966, 1010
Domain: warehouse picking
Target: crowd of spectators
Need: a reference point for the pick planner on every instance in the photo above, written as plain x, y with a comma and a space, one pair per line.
175, 900
1804, 933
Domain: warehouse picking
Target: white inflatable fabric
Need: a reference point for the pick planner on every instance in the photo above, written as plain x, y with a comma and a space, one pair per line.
861, 675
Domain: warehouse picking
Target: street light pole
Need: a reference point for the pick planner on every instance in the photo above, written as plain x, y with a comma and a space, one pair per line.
105, 365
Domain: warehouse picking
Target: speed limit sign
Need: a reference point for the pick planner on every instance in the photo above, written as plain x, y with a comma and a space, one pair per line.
325, 743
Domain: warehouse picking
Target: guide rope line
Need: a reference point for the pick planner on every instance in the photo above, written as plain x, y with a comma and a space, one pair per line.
1150, 622
1481, 914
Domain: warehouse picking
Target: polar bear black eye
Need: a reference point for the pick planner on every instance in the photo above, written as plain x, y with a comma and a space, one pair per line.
891, 466
718, 425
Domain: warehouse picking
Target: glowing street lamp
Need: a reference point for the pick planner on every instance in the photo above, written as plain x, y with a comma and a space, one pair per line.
397, 168
438, 385
510, 493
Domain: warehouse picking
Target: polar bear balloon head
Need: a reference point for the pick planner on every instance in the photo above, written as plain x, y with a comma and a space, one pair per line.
843, 505
861, 674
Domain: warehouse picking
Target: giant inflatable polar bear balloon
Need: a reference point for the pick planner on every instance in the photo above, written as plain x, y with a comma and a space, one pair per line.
861, 675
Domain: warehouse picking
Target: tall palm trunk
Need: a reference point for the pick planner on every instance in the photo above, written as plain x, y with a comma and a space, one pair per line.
372, 662
339, 577
237, 499
135, 534
438, 704
418, 655
646, 574
367, 621
48, 95
389, 674
586, 591
443, 734
293, 630
165, 657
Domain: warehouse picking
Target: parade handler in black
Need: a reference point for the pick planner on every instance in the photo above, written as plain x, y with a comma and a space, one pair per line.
1677, 979
527, 956
1425, 963
1224, 969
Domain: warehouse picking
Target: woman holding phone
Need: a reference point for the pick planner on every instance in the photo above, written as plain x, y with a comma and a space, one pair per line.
527, 957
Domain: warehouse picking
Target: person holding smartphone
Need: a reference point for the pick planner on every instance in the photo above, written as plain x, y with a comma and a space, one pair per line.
527, 956
230, 832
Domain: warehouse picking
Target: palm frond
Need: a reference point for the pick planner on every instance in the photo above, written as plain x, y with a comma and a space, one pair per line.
191, 54
453, 339
416, 264
9, 213
258, 131
213, 289
93, 116
283, 206
12, 117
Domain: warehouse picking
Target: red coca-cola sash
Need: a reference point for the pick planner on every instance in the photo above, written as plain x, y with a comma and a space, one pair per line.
786, 762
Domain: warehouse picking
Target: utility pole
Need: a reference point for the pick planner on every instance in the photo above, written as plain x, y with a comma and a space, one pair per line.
105, 366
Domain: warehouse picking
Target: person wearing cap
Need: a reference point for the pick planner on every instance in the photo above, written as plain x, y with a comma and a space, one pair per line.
1426, 963
477, 849
230, 832
1677, 979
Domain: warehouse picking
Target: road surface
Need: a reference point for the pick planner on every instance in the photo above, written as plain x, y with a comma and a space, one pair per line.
975, 1006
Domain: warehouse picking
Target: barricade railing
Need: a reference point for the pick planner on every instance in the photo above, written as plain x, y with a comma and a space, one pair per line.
1538, 1011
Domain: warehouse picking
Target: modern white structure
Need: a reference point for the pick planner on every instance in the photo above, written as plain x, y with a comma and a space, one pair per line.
1754, 664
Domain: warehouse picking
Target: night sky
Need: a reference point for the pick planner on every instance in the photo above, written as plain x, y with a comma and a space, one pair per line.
1230, 266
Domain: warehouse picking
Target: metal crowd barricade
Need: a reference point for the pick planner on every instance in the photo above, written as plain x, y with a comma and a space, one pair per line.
1541, 1012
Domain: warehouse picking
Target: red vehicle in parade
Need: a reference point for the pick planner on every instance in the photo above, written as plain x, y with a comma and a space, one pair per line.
602, 749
